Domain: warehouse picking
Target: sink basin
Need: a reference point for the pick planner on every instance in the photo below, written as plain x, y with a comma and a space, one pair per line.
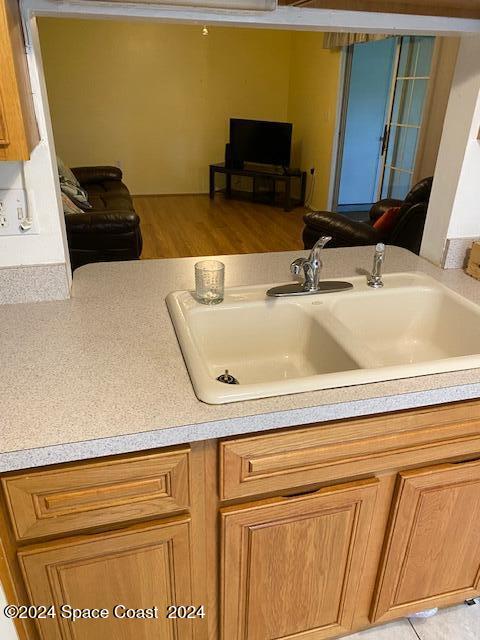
262, 343
413, 326
409, 326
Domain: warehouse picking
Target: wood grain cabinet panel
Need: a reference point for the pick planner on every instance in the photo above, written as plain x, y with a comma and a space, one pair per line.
291, 566
141, 567
449, 8
84, 496
18, 125
3, 127
277, 461
432, 553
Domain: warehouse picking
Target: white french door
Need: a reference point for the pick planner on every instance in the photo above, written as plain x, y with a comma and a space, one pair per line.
405, 116
384, 97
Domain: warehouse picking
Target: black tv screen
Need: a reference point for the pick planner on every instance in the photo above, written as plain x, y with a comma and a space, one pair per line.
260, 142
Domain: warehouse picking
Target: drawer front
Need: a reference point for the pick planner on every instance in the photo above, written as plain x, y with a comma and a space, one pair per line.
321, 453
84, 496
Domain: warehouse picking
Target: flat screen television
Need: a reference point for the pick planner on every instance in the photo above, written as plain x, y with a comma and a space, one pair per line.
260, 142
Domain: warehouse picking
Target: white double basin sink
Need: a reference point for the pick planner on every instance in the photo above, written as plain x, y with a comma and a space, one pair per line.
413, 326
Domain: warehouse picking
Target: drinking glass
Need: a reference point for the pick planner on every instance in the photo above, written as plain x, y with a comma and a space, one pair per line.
209, 281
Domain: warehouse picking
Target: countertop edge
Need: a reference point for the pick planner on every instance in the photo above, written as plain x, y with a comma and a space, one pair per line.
245, 425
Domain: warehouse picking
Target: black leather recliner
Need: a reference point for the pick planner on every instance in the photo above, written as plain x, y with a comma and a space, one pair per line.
407, 232
110, 230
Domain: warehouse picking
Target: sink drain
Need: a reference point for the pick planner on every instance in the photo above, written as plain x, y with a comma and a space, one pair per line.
227, 378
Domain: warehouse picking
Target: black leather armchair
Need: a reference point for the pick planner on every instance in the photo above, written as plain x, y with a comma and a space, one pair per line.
110, 230
407, 232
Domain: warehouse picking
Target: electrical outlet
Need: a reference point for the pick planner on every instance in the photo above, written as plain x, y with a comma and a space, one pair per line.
15, 215
3, 218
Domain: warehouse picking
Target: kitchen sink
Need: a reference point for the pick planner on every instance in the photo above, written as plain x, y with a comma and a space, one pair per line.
275, 346
410, 326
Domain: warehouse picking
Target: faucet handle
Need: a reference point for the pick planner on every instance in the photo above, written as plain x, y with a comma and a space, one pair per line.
297, 266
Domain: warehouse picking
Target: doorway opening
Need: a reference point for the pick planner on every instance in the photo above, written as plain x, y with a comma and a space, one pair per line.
384, 97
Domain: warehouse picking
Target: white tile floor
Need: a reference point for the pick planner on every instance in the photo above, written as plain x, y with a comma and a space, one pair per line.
457, 623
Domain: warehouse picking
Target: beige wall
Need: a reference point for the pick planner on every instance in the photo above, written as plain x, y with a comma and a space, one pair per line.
314, 84
158, 97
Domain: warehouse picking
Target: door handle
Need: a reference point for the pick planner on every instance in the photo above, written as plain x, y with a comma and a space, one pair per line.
384, 139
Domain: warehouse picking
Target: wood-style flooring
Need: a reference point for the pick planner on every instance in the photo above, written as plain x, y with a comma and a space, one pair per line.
181, 226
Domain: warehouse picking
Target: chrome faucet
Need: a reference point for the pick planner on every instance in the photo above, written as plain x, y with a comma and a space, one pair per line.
375, 278
312, 268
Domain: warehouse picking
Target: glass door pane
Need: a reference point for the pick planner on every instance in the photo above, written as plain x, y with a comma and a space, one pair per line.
368, 87
411, 84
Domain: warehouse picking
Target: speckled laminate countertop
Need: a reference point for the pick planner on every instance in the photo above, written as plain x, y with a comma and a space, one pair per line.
102, 373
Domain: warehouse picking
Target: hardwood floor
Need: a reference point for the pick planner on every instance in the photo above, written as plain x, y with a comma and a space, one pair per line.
193, 225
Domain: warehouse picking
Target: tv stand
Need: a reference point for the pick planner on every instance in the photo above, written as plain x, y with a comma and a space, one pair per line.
287, 176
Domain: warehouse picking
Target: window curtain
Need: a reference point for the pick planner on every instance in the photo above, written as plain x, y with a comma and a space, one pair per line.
338, 40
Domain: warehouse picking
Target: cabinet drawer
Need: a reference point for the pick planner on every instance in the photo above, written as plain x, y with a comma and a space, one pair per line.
321, 453
82, 496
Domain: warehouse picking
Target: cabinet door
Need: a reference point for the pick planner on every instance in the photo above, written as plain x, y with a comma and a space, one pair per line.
3, 128
432, 551
449, 8
291, 566
141, 567
18, 126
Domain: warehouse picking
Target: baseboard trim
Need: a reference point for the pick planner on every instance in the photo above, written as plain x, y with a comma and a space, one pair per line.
168, 195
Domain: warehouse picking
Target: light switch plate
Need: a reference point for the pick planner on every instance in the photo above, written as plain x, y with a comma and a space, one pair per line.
16, 213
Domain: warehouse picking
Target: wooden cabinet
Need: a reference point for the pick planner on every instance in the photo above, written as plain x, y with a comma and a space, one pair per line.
138, 568
149, 565
450, 8
262, 463
347, 524
18, 127
292, 566
79, 497
432, 553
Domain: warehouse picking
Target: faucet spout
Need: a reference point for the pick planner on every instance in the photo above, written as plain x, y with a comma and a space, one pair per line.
318, 246
312, 268
313, 265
